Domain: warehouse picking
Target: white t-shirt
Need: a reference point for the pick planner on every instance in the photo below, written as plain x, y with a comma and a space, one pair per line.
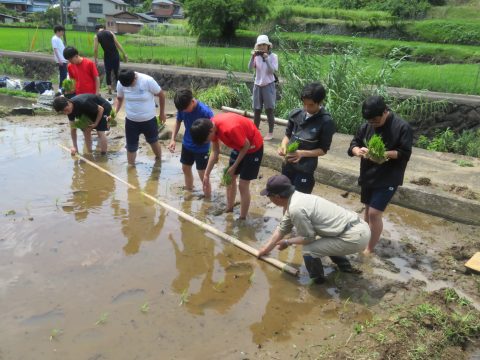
263, 75
57, 43
139, 98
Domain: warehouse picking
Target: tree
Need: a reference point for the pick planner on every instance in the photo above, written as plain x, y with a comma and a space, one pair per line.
221, 18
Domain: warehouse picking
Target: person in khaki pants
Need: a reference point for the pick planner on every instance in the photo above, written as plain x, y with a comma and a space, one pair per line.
322, 227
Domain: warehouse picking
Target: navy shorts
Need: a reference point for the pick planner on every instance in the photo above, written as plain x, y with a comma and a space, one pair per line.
303, 182
249, 167
133, 129
188, 157
377, 198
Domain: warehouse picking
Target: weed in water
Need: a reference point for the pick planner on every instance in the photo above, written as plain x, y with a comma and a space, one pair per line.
55, 334
358, 328
218, 287
184, 297
145, 308
463, 163
251, 278
103, 319
450, 295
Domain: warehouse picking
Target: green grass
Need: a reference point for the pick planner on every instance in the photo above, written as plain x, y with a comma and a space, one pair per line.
455, 78
19, 93
446, 31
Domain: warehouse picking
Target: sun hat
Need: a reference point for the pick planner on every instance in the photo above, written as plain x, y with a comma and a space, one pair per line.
263, 39
278, 185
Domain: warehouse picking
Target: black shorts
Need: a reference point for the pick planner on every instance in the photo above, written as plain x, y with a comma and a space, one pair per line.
303, 182
249, 167
377, 198
133, 129
188, 157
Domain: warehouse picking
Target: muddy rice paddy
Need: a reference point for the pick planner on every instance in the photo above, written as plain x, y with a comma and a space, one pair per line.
90, 269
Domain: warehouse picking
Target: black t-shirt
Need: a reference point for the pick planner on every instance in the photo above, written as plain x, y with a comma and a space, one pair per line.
106, 40
397, 134
87, 104
316, 132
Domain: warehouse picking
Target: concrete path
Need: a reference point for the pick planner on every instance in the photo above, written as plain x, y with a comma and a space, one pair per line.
453, 192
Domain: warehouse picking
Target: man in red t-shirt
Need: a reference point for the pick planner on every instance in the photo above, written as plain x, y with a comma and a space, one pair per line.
83, 71
242, 136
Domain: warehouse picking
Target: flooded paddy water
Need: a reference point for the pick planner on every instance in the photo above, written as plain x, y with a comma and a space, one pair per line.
90, 269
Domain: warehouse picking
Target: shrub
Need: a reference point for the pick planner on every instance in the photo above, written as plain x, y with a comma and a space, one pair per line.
467, 143
218, 96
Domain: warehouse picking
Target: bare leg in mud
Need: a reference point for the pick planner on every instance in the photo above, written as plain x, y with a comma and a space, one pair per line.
374, 219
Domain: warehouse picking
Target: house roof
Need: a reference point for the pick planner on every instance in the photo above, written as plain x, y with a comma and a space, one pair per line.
168, 2
11, 17
146, 17
119, 2
130, 22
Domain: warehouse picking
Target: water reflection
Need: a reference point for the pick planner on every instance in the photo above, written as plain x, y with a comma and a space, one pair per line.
90, 188
208, 278
142, 220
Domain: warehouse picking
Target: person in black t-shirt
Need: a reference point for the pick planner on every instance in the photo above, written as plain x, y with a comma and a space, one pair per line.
96, 108
312, 128
379, 181
111, 58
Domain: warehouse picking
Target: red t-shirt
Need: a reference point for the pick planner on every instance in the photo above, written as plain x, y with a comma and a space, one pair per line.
84, 75
234, 129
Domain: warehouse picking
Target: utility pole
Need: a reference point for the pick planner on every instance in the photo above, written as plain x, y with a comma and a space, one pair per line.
63, 19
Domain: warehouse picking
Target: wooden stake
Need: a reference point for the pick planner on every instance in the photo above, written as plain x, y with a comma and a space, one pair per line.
249, 249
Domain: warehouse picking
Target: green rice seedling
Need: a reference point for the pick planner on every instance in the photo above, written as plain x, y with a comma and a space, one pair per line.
113, 115
251, 278
226, 178
218, 287
68, 86
82, 122
145, 308
55, 334
10, 212
160, 125
376, 149
184, 298
103, 319
291, 148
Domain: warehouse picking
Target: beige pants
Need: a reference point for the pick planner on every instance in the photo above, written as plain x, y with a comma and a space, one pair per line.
352, 241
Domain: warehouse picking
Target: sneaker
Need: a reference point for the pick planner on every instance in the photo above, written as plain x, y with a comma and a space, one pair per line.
268, 137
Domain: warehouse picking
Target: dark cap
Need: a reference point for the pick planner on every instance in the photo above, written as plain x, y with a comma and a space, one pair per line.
278, 185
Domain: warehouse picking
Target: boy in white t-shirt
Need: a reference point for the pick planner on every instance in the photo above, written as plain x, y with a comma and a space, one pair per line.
138, 91
58, 47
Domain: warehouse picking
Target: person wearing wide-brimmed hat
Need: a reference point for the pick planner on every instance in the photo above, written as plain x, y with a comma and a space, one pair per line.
265, 64
322, 227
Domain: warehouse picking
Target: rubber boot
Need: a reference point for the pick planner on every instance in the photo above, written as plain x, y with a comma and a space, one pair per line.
315, 268
343, 263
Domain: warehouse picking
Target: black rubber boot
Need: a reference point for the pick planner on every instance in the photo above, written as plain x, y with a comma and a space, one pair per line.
315, 269
344, 264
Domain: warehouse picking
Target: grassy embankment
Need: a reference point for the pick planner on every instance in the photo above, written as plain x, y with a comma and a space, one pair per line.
182, 51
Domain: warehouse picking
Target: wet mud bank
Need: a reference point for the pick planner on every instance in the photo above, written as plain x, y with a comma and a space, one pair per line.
117, 267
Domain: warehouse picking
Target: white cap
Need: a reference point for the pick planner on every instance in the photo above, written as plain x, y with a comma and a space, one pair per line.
263, 39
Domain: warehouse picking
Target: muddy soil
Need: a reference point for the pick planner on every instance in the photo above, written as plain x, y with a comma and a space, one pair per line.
159, 288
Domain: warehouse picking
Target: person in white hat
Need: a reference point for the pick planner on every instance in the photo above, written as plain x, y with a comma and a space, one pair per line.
265, 64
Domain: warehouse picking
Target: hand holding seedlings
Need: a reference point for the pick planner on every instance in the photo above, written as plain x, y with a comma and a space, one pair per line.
292, 155
376, 149
226, 177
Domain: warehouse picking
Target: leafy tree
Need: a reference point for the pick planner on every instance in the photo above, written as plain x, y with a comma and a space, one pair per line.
221, 18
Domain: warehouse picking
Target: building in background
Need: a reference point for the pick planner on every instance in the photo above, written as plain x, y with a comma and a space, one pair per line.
126, 22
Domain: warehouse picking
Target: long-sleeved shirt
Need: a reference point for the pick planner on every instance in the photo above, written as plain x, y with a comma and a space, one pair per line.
264, 68
397, 135
314, 216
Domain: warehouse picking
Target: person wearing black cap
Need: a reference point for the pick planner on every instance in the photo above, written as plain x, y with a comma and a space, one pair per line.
379, 180
322, 227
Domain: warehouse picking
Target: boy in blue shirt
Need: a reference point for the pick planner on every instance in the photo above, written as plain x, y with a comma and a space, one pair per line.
189, 110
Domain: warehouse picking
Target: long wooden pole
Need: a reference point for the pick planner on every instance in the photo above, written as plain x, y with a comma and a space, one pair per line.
249, 249
249, 114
